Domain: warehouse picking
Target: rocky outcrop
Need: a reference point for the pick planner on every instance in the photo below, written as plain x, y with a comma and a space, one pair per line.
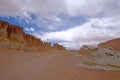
11, 32
3, 29
59, 47
11, 35
85, 51
15, 33
31, 41
89, 48
114, 43
104, 56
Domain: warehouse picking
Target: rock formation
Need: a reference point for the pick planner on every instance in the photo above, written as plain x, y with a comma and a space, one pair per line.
32, 41
15, 33
114, 43
59, 47
3, 29
105, 56
14, 36
86, 50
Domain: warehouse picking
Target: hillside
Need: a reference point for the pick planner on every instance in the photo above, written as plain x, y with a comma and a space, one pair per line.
12, 36
114, 43
105, 56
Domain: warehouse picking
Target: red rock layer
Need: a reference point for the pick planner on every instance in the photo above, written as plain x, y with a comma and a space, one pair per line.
114, 43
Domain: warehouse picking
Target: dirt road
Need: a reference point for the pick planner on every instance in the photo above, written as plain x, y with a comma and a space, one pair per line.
19, 65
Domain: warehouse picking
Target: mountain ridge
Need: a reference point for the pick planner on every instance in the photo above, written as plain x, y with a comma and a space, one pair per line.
12, 36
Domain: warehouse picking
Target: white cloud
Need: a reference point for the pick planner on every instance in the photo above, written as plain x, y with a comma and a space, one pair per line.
104, 29
57, 19
49, 10
25, 8
14, 8
93, 7
29, 29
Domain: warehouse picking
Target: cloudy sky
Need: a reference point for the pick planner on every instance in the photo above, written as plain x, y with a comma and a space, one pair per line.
71, 23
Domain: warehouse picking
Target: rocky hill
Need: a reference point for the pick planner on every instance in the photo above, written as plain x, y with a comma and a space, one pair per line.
12, 36
104, 56
114, 43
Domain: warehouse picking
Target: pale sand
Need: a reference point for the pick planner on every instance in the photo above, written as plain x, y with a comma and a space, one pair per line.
20, 65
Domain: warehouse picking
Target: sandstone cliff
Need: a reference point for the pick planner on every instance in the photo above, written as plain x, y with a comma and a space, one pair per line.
12, 36
3, 29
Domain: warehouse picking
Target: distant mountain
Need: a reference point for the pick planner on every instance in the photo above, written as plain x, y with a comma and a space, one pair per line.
12, 36
114, 43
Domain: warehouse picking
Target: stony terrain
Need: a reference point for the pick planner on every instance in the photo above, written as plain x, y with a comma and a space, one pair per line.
105, 56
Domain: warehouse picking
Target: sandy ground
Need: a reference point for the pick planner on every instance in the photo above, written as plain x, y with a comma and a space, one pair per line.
20, 65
